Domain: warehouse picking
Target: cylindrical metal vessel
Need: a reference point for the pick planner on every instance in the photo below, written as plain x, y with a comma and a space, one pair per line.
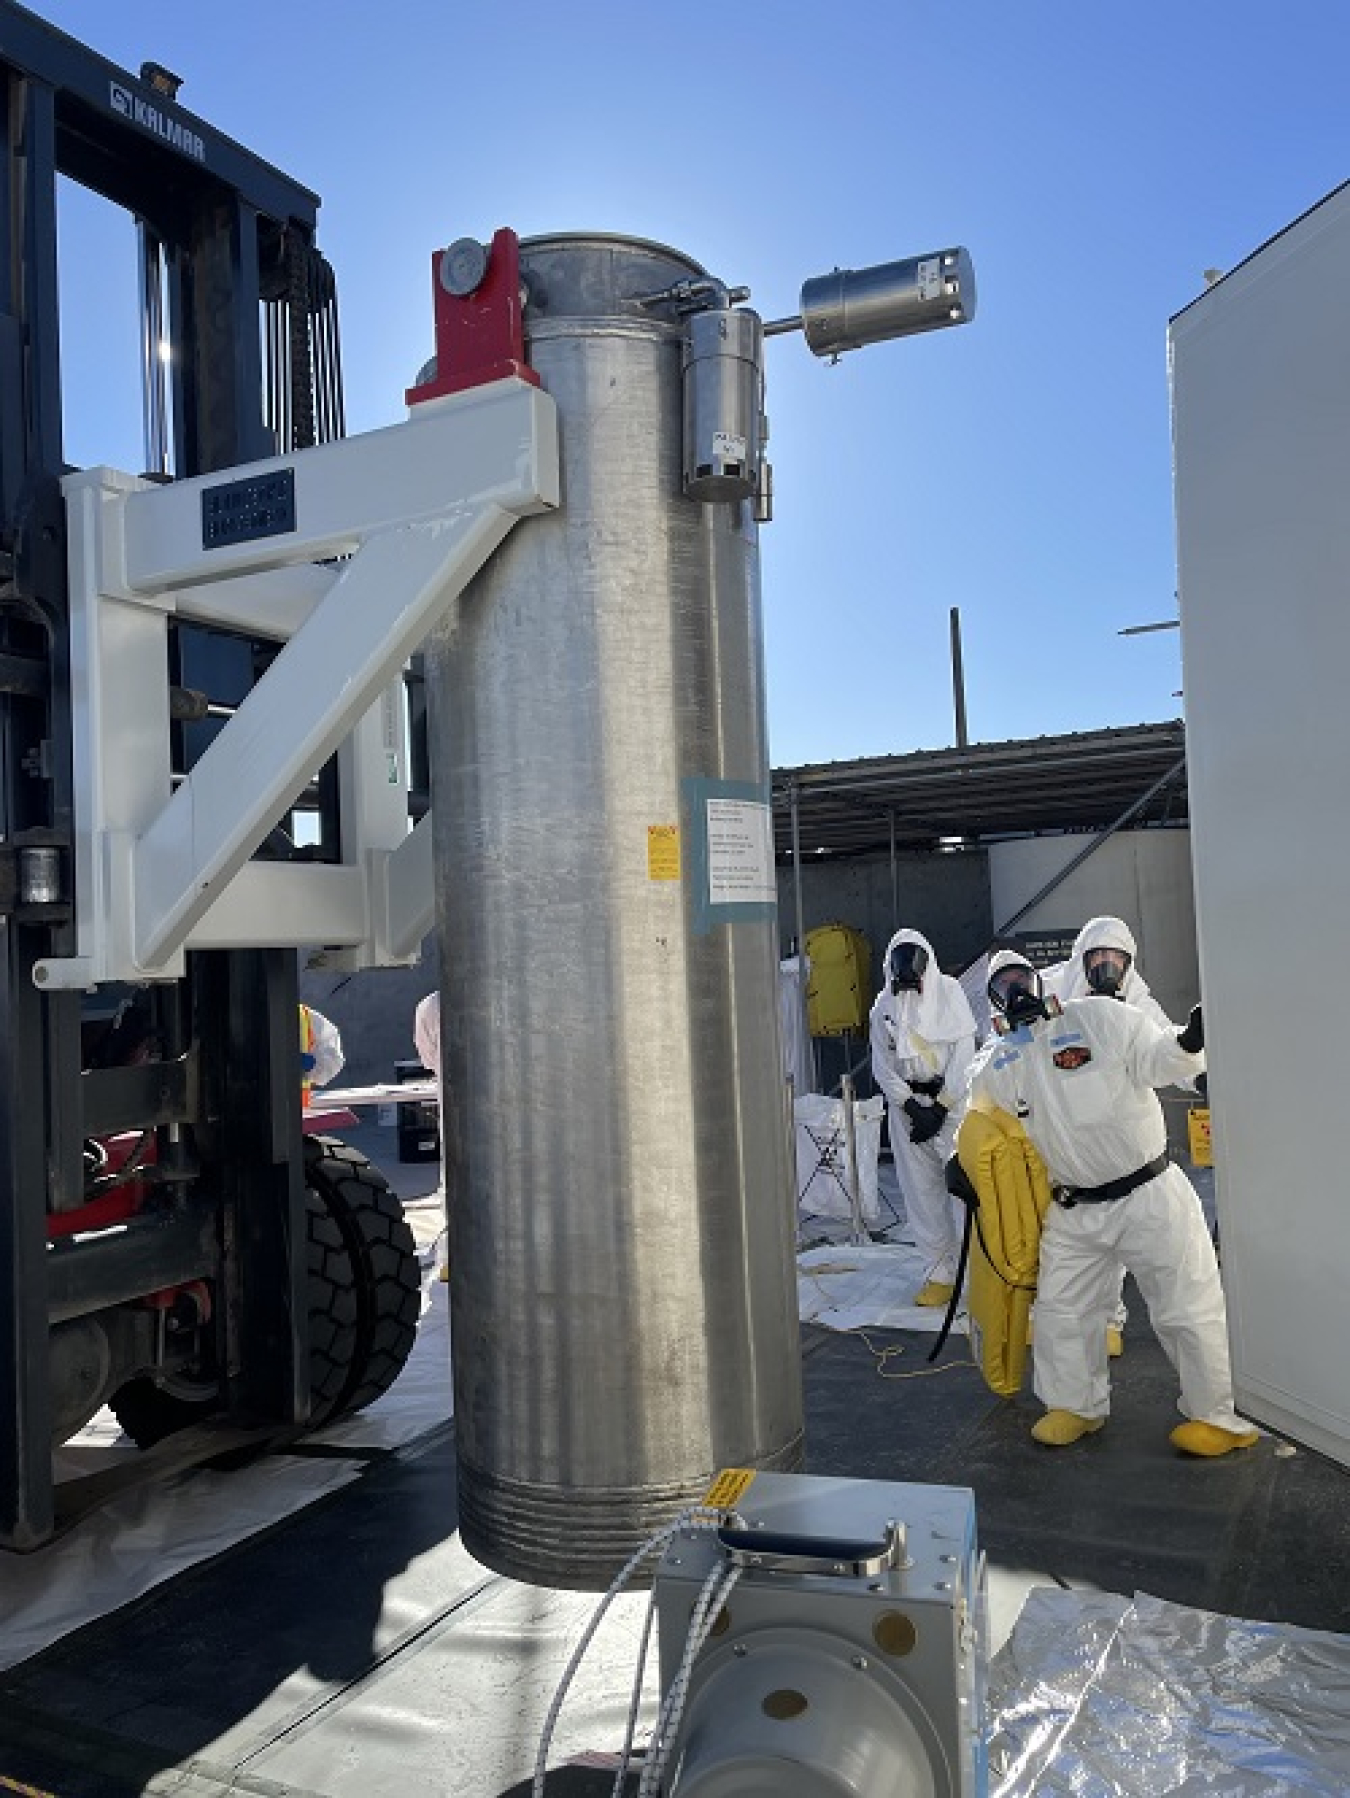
723, 404
852, 307
623, 1297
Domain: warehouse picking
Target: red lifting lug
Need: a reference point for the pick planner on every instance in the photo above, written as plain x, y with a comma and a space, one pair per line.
480, 325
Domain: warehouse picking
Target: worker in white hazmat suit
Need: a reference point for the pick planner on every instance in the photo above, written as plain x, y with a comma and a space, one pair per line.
922, 1034
427, 1032
321, 1057
1104, 963
1082, 1084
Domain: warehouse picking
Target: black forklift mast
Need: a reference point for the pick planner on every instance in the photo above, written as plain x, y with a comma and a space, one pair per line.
234, 302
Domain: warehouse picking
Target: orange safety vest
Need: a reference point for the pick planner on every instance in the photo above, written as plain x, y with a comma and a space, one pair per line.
306, 1051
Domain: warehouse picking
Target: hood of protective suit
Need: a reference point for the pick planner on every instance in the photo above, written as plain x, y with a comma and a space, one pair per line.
1007, 958
941, 1012
1103, 933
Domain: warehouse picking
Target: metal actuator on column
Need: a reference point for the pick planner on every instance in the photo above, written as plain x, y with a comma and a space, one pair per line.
481, 305
725, 428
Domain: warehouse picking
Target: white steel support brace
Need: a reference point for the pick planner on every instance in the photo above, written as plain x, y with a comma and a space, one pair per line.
417, 509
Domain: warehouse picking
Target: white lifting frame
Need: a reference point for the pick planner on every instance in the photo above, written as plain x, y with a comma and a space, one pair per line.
416, 508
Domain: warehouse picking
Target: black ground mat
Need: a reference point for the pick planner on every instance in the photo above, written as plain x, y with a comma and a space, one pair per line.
1257, 1533
210, 1672
161, 1681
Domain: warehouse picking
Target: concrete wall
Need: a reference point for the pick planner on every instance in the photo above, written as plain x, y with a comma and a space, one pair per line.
374, 1012
1142, 876
944, 896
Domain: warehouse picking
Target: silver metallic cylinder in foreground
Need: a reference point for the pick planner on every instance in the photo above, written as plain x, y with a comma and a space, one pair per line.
623, 1295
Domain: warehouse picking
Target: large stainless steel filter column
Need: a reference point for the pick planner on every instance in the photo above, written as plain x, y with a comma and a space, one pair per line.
623, 1296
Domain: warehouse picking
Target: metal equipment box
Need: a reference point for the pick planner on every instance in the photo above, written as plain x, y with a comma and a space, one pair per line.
824, 1673
419, 1124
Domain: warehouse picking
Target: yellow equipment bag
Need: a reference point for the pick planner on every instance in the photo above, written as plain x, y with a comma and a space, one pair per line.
838, 991
1014, 1191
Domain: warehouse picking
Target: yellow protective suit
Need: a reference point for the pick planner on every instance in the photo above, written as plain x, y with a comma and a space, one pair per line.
1005, 1242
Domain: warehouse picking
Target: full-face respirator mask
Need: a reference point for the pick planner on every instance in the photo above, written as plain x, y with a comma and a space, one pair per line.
1016, 996
1104, 970
905, 967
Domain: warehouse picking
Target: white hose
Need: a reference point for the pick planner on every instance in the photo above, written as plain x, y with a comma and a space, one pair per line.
635, 1703
699, 1517
712, 1596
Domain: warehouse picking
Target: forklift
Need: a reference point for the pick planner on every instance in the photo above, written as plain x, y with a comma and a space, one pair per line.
173, 1244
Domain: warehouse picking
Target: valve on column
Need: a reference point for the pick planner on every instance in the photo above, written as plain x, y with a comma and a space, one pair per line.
480, 323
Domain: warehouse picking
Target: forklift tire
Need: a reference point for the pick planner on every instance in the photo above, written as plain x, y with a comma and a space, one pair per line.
364, 1300
365, 1287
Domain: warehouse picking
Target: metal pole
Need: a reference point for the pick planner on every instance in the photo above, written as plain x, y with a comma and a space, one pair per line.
154, 386
801, 927
958, 681
790, 1126
858, 1231
797, 867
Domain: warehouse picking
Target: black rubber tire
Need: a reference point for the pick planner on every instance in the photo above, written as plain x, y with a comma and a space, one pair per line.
365, 1288
148, 1413
364, 1299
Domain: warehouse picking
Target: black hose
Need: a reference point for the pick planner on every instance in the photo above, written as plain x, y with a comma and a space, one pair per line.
955, 1299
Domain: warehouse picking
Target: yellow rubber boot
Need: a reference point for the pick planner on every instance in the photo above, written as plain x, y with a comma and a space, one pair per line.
1115, 1341
935, 1292
1060, 1428
1208, 1439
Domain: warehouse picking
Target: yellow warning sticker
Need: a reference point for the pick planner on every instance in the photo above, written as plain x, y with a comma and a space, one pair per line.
1202, 1148
729, 1485
663, 852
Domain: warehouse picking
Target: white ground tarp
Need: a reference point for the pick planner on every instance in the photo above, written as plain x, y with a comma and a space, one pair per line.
841, 1286
146, 1536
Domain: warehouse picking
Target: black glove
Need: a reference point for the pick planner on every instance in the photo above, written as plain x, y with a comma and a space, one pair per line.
924, 1120
959, 1183
1192, 1038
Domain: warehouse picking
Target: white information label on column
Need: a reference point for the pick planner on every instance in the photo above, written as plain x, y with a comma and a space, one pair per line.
740, 853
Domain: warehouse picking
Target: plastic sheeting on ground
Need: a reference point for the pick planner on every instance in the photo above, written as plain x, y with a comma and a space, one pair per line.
1100, 1697
843, 1286
146, 1536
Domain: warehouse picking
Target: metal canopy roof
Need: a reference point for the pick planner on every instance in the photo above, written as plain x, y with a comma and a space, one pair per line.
984, 792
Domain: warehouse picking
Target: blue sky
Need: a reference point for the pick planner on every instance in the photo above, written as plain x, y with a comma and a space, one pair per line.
1095, 159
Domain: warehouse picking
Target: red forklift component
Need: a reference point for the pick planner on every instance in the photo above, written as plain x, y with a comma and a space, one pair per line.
480, 325
196, 1292
111, 1203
